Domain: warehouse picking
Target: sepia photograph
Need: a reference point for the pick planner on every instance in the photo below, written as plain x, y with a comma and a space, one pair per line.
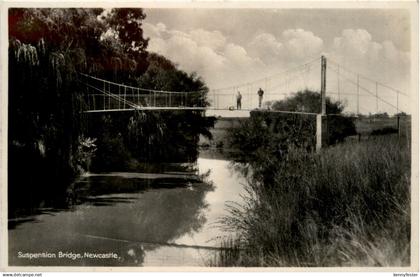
197, 137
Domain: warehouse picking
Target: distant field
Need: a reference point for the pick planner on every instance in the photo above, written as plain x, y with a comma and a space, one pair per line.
364, 126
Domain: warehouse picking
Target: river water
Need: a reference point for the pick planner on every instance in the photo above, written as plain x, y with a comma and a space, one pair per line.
131, 219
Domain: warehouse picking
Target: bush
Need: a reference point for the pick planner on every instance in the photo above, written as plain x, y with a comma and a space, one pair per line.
384, 131
339, 127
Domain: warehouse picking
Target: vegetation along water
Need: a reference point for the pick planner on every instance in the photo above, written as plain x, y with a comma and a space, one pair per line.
348, 205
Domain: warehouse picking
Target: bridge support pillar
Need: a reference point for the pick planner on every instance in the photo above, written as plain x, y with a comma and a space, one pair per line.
321, 131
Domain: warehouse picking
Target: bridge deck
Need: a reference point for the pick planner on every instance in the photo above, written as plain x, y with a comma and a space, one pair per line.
192, 109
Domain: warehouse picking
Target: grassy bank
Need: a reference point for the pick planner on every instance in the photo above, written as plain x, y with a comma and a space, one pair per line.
347, 206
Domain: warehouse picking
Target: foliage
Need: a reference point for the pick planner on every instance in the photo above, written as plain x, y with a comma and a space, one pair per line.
176, 132
85, 152
47, 49
307, 101
379, 115
270, 133
126, 23
348, 206
339, 127
158, 135
384, 131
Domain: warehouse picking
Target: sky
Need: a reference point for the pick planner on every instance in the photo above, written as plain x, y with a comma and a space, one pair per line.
229, 47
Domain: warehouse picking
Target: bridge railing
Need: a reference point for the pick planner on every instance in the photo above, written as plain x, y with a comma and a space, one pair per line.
102, 95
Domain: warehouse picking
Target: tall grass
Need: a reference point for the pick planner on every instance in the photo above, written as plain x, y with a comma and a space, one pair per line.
347, 206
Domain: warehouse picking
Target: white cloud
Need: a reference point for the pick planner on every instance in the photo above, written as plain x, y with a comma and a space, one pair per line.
154, 30
293, 45
301, 43
215, 40
380, 60
355, 42
207, 52
265, 46
237, 55
356, 49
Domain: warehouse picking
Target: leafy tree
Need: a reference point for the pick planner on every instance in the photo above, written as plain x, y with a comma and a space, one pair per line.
126, 23
125, 26
48, 48
380, 115
307, 101
339, 126
176, 133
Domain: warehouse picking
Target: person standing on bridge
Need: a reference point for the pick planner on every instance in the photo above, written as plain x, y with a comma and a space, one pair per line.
239, 100
260, 97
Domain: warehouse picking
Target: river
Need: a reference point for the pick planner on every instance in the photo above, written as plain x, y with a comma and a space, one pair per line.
131, 219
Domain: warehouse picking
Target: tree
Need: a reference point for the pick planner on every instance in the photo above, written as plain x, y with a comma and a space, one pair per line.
176, 133
48, 48
339, 126
125, 25
307, 101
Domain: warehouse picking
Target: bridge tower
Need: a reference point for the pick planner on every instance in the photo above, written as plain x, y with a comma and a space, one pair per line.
321, 118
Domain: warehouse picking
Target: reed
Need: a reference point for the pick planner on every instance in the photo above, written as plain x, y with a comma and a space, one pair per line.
347, 206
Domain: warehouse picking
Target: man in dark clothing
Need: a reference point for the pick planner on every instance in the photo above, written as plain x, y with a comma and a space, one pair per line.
239, 101
260, 97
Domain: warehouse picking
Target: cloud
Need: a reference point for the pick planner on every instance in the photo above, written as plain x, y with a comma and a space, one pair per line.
154, 30
300, 43
354, 42
265, 46
209, 53
293, 45
215, 40
355, 48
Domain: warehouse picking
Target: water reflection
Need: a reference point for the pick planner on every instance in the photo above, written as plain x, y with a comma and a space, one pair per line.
150, 219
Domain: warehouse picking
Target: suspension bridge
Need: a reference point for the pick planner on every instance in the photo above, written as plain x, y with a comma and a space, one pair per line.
359, 93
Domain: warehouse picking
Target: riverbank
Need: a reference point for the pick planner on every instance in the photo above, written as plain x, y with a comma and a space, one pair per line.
348, 206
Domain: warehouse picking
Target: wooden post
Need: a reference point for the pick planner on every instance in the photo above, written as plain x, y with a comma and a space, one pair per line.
321, 131
119, 97
321, 119
323, 84
318, 132
125, 95
109, 96
88, 98
104, 95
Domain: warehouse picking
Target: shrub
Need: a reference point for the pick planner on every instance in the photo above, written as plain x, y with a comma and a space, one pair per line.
339, 127
384, 131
